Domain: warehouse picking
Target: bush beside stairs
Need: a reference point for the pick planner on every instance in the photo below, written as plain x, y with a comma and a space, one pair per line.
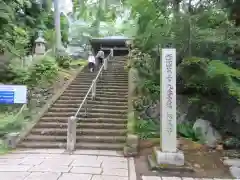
104, 127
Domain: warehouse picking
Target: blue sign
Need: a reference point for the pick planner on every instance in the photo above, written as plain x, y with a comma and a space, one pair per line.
13, 94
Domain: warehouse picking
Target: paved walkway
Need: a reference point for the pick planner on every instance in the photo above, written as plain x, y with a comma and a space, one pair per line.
44, 164
57, 165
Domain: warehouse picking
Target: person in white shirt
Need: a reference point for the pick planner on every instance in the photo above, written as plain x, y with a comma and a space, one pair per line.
100, 56
91, 62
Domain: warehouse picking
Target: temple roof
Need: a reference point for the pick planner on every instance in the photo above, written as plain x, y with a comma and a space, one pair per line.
115, 37
40, 40
109, 40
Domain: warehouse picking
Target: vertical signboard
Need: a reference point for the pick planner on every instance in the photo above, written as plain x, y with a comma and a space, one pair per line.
13, 94
168, 101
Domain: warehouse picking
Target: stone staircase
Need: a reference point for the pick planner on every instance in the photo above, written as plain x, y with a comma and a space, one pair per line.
104, 127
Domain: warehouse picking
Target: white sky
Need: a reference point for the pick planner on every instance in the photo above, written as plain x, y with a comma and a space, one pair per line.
66, 6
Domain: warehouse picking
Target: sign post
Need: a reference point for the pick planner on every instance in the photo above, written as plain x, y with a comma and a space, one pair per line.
168, 154
13, 94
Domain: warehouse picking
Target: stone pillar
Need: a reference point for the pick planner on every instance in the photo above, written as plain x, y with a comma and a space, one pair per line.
132, 85
168, 153
131, 148
71, 133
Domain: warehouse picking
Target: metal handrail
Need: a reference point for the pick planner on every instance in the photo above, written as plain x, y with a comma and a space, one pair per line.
92, 85
71, 132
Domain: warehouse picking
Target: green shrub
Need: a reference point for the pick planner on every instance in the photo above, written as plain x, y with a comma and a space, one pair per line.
215, 87
64, 60
10, 123
45, 71
232, 143
149, 72
207, 76
186, 130
80, 62
147, 129
42, 72
150, 129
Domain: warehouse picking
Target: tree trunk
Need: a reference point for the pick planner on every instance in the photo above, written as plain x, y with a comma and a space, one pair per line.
57, 24
189, 28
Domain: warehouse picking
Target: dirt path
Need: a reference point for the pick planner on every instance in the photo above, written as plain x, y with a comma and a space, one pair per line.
206, 163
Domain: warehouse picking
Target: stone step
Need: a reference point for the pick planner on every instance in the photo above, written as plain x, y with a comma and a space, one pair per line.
102, 98
89, 110
101, 139
113, 72
86, 76
84, 81
57, 145
110, 71
98, 94
81, 125
101, 146
59, 119
97, 106
82, 115
95, 139
107, 86
116, 74
105, 83
98, 89
118, 68
92, 102
103, 79
92, 132
104, 127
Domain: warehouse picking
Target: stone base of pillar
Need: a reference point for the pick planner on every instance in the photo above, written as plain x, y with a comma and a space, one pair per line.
169, 158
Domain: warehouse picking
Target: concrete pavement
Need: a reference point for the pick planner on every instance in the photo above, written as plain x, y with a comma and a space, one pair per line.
57, 165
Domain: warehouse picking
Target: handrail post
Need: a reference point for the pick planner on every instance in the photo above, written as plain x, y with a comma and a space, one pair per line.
71, 134
85, 107
94, 89
111, 52
105, 63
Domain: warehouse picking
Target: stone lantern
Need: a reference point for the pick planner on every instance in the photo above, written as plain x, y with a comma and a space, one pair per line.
40, 45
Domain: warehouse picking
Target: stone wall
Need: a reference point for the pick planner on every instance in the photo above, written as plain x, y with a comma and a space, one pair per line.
132, 141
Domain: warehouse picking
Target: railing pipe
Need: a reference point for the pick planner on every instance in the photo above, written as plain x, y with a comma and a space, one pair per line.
72, 121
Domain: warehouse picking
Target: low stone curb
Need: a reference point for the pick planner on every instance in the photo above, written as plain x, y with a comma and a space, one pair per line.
179, 178
131, 169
